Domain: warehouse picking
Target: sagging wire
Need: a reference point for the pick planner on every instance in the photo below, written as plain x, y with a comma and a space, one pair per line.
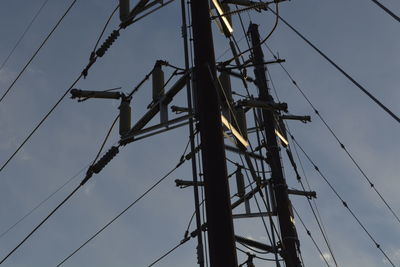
290, 156
276, 13
345, 204
357, 84
180, 162
311, 237
356, 164
37, 50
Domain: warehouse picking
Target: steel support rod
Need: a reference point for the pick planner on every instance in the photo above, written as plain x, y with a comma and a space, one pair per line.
222, 250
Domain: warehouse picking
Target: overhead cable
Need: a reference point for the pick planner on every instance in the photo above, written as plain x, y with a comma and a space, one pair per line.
276, 13
41, 122
315, 212
95, 168
387, 10
365, 91
23, 34
181, 161
37, 51
345, 204
366, 177
312, 238
183, 241
42, 202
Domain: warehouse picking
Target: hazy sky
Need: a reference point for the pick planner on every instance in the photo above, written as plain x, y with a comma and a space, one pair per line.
358, 35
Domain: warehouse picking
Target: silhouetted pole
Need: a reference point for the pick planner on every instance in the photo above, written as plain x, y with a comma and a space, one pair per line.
221, 242
283, 205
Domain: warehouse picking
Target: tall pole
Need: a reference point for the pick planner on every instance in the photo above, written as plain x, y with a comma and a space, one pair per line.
283, 205
220, 231
200, 256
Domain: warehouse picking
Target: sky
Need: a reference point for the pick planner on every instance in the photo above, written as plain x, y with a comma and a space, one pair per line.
359, 36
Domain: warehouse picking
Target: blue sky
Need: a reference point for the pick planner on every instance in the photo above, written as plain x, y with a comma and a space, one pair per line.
359, 36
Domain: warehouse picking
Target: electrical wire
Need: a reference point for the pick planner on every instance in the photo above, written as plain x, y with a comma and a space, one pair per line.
343, 201
353, 160
169, 251
41, 122
23, 34
276, 13
181, 161
312, 238
365, 91
387, 10
104, 29
40, 224
318, 218
37, 51
42, 202
258, 257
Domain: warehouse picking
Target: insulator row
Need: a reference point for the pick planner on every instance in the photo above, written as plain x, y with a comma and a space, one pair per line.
110, 40
241, 191
124, 117
99, 165
158, 82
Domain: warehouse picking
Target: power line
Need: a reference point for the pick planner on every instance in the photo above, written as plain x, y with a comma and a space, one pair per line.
95, 168
387, 10
37, 51
342, 200
312, 238
41, 122
181, 161
23, 34
363, 173
42, 202
183, 241
365, 91
40, 224
318, 218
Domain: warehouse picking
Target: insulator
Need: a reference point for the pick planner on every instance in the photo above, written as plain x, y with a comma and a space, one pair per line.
226, 95
241, 191
124, 10
99, 165
124, 117
241, 121
158, 82
107, 43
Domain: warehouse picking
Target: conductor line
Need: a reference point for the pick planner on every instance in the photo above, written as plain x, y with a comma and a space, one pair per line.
37, 50
387, 10
23, 34
365, 91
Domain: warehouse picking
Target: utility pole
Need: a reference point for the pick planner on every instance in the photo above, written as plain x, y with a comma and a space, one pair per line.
290, 242
221, 242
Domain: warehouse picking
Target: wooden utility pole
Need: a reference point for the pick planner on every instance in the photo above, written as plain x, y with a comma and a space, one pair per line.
221, 242
268, 121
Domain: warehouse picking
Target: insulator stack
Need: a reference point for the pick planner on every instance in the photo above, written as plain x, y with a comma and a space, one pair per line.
99, 165
227, 10
241, 121
241, 191
226, 95
282, 130
124, 10
158, 82
110, 40
124, 116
